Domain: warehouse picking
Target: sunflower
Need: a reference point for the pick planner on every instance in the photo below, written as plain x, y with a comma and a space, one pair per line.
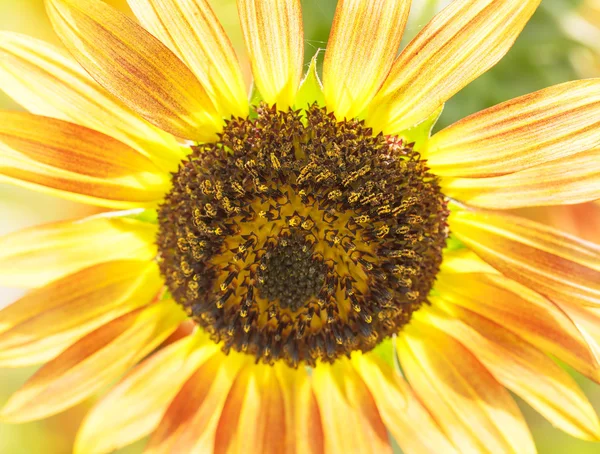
309, 271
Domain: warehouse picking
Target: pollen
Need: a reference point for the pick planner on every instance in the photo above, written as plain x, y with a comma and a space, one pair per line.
297, 237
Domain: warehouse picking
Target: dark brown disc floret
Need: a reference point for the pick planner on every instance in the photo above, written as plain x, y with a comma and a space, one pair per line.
298, 237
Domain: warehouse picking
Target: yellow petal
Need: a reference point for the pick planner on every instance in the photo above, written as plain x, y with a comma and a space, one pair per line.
36, 256
275, 40
524, 312
465, 261
462, 42
351, 421
253, 419
92, 362
136, 67
75, 162
587, 320
549, 124
47, 320
362, 46
569, 180
401, 411
303, 430
190, 422
134, 407
522, 368
547, 260
47, 81
192, 31
474, 410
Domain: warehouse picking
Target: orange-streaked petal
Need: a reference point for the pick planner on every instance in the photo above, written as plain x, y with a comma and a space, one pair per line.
465, 261
36, 256
524, 312
190, 422
129, 411
47, 81
549, 124
362, 46
136, 67
549, 261
304, 430
475, 411
587, 320
522, 368
193, 32
44, 322
92, 362
75, 162
351, 421
460, 43
401, 411
569, 180
253, 418
275, 40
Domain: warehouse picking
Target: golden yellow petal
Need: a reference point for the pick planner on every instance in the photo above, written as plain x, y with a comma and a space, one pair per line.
549, 124
549, 261
136, 67
40, 325
351, 421
465, 261
275, 40
93, 362
524, 312
253, 419
303, 430
192, 31
474, 410
190, 422
401, 411
362, 46
36, 256
587, 320
569, 180
47, 81
76, 162
460, 43
135, 406
522, 368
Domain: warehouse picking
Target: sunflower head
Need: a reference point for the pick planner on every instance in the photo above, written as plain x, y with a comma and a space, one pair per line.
300, 237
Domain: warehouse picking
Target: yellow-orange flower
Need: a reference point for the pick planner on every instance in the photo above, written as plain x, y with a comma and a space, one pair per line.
154, 120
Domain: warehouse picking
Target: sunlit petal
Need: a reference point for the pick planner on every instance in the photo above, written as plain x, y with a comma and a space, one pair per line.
474, 410
193, 32
547, 125
362, 46
351, 421
47, 81
570, 180
522, 368
38, 255
75, 162
129, 411
37, 327
400, 409
92, 362
549, 261
274, 37
463, 41
136, 67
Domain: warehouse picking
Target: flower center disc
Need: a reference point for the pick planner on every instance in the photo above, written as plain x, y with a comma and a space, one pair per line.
298, 237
